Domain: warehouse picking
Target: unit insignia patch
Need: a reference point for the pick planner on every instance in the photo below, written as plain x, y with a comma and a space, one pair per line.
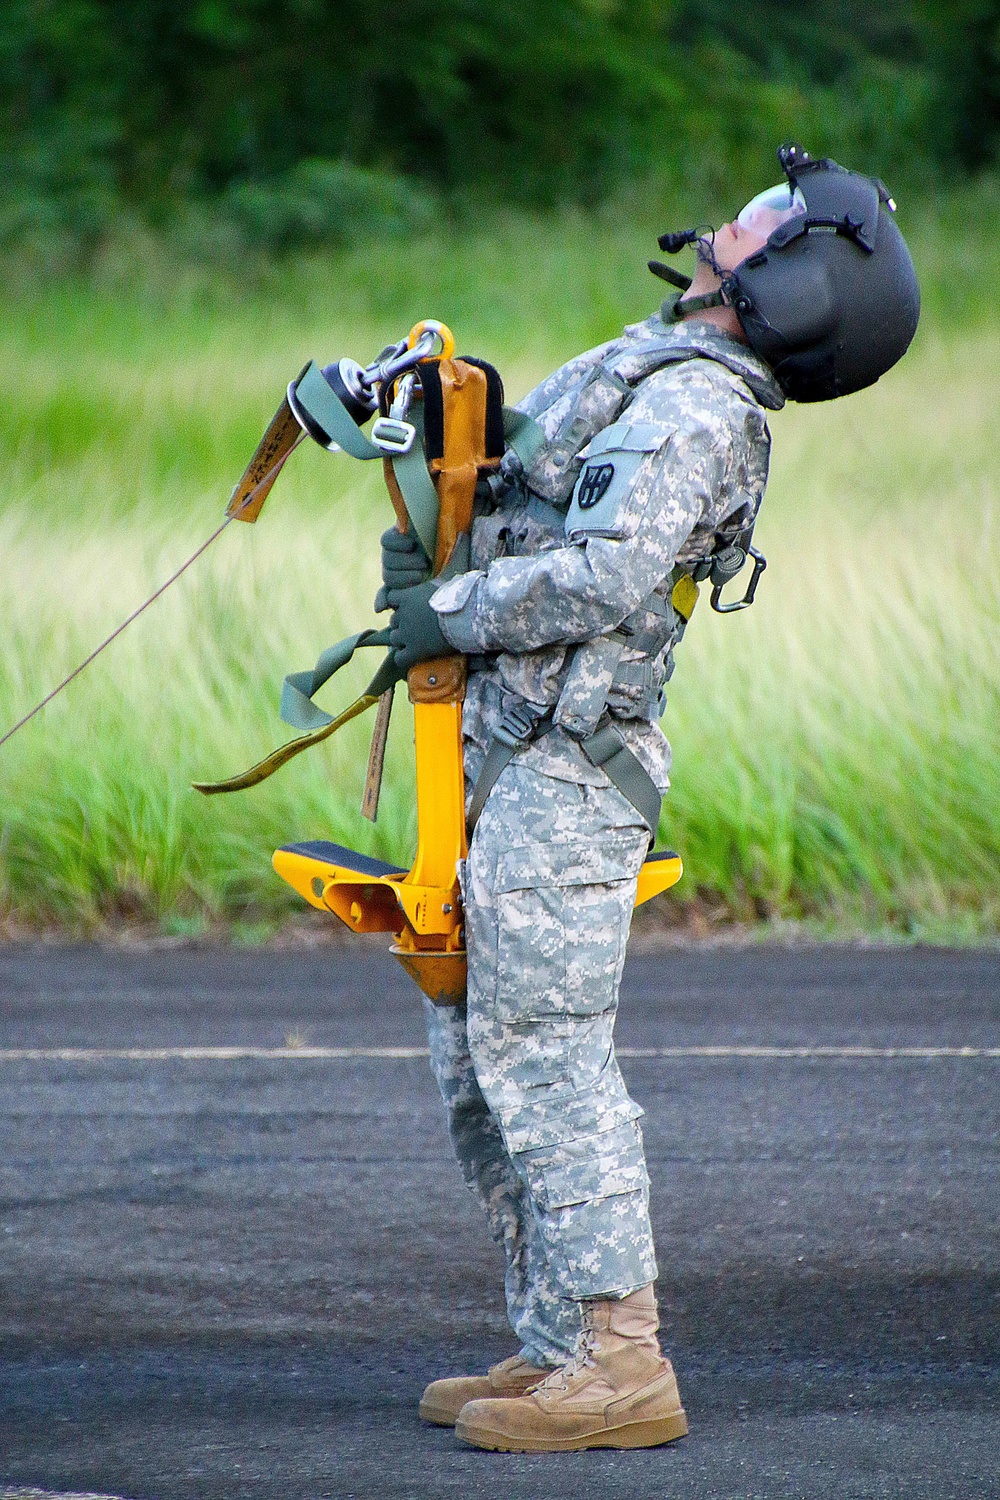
593, 485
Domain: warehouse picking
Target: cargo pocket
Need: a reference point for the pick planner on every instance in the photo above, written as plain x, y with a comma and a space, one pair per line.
592, 1202
582, 1171
563, 914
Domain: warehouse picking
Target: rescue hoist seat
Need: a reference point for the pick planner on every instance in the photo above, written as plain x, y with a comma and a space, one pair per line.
310, 867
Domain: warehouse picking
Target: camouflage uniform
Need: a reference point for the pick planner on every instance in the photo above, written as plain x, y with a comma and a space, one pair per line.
542, 1124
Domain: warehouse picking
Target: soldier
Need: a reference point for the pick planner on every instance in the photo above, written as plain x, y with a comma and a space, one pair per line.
643, 472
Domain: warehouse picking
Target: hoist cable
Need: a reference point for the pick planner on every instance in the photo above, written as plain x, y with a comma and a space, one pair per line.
271, 474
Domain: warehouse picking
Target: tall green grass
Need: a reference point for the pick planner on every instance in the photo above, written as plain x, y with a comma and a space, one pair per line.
835, 748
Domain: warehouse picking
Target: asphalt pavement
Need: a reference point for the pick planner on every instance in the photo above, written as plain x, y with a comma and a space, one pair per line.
234, 1246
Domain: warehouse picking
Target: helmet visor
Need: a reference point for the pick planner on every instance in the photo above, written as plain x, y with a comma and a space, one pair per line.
774, 206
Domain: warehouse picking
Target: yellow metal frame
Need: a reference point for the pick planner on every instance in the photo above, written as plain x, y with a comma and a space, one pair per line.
427, 896
658, 875
429, 939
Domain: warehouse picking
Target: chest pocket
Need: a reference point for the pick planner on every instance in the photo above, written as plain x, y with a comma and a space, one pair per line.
600, 504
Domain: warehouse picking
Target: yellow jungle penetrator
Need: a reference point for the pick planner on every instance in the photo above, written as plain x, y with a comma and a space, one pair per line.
420, 906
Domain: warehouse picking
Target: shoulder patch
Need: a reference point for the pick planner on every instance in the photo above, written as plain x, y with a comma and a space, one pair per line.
593, 486
599, 506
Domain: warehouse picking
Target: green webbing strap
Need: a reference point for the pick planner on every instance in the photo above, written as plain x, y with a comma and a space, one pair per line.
523, 434
410, 469
322, 404
672, 310
417, 488
273, 762
299, 688
498, 757
298, 710
606, 748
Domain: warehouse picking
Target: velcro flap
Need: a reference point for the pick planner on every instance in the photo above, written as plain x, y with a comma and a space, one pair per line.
629, 437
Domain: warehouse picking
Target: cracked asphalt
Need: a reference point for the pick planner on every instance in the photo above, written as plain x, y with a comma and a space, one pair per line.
230, 1275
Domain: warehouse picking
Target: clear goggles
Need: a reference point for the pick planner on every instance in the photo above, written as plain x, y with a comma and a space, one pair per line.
774, 206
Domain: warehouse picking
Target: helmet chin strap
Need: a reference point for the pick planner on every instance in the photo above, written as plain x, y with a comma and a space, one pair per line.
702, 240
684, 307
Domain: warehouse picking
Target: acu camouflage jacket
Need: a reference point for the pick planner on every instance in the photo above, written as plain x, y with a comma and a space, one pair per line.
656, 442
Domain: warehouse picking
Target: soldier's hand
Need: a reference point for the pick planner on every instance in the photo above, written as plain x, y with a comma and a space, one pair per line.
404, 564
414, 630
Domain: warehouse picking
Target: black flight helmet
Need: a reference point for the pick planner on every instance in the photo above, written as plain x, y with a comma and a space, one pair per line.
831, 300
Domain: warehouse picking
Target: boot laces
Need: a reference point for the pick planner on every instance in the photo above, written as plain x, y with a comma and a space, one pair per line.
583, 1359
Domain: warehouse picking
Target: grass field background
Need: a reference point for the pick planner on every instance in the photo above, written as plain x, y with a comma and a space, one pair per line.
835, 747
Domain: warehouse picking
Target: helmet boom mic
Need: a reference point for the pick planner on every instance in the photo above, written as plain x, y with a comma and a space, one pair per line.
673, 242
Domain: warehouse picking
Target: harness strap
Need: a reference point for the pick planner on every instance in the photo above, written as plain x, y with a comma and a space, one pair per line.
682, 307
417, 488
280, 757
519, 725
605, 748
652, 640
326, 418
523, 434
498, 758
320, 402
299, 688
298, 709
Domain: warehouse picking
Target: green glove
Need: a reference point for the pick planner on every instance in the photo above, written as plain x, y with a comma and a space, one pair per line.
414, 631
404, 564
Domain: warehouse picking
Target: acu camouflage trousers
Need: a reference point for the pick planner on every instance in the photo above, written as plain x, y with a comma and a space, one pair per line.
539, 1116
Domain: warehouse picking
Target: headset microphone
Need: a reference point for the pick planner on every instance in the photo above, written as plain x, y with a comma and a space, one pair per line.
674, 242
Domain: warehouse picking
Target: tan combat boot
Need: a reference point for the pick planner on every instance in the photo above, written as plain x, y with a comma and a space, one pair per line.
617, 1392
443, 1399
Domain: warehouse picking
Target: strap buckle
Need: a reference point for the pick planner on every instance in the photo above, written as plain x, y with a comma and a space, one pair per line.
393, 435
518, 724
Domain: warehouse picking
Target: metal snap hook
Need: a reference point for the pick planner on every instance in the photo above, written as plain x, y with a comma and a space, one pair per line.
759, 564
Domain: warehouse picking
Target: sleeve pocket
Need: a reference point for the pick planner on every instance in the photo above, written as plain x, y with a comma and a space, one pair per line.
602, 498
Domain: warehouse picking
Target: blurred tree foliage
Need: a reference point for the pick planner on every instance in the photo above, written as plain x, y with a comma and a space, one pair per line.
300, 118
